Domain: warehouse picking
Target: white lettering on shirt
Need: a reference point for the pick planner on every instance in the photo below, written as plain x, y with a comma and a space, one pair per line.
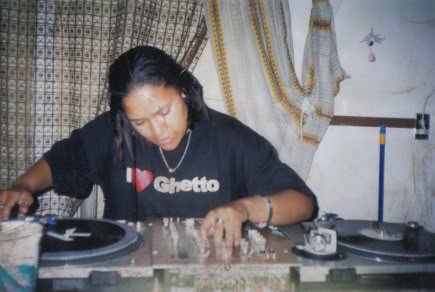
197, 185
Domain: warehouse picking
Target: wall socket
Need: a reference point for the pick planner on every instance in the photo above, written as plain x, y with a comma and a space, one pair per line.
422, 126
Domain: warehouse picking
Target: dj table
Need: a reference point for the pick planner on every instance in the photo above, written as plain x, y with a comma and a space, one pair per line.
164, 254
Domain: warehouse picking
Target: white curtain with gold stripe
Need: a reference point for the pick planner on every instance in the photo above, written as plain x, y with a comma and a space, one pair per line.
253, 51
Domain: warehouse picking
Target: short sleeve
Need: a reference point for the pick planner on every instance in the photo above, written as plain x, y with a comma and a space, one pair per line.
264, 172
75, 161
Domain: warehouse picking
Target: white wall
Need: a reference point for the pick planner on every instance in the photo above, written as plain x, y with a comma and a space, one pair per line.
344, 173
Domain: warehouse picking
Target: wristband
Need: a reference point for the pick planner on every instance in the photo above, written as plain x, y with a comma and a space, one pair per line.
270, 212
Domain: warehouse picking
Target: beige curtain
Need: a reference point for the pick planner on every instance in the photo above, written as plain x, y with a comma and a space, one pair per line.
54, 57
253, 51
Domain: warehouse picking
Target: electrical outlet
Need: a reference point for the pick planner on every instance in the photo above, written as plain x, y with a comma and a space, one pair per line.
422, 126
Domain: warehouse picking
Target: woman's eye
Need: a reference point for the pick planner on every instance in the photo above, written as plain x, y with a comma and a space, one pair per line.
139, 123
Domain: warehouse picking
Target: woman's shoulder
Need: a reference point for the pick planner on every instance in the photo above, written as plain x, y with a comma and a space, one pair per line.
225, 121
227, 124
101, 122
96, 130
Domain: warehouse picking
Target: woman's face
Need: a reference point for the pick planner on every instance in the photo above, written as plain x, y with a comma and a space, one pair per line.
158, 113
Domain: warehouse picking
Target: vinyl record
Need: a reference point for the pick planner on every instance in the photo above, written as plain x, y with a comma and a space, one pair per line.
383, 241
86, 241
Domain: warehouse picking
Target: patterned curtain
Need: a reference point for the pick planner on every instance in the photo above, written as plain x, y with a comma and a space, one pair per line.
253, 51
54, 57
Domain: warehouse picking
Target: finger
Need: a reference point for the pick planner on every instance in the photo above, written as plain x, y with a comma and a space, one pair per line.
2, 199
5, 211
8, 202
237, 234
210, 231
229, 234
207, 226
23, 210
218, 233
25, 199
9, 199
2, 216
24, 203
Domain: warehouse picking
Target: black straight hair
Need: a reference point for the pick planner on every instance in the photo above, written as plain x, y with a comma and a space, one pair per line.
146, 65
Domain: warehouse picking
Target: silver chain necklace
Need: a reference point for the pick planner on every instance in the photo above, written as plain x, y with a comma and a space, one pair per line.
170, 169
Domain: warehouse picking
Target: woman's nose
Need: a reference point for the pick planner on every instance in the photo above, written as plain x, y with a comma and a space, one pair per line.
158, 125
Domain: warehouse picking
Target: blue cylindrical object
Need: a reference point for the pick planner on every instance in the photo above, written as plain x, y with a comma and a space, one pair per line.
381, 173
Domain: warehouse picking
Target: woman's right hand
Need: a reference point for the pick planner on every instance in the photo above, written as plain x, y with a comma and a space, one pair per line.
16, 195
35, 179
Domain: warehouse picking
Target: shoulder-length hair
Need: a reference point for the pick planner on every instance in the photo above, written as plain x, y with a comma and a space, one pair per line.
145, 65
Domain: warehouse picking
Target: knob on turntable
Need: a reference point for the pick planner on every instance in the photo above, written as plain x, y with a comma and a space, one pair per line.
320, 243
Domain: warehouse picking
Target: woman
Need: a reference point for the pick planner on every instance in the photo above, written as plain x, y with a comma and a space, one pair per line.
161, 152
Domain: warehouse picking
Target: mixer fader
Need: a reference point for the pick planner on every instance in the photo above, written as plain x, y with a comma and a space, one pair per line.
262, 259
177, 241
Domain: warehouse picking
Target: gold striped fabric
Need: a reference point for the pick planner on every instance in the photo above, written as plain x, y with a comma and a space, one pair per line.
253, 51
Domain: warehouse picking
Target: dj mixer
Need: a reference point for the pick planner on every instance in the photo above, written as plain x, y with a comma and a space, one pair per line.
166, 253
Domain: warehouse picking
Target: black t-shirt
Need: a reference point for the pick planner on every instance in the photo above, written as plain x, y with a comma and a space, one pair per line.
225, 160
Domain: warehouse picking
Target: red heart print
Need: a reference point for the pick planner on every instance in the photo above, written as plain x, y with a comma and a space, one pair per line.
141, 179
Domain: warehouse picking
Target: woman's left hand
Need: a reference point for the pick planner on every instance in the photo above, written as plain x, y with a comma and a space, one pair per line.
225, 225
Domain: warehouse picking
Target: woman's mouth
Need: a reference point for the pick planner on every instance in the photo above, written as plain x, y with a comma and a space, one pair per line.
165, 141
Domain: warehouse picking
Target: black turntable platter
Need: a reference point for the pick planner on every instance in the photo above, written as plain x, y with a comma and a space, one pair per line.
86, 241
382, 241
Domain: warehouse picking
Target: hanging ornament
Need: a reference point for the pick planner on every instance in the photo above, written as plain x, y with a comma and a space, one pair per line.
372, 56
370, 39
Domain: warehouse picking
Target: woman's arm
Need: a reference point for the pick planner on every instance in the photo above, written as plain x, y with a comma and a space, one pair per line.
225, 222
287, 206
36, 178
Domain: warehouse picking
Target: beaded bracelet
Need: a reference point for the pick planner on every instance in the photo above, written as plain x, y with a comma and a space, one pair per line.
270, 212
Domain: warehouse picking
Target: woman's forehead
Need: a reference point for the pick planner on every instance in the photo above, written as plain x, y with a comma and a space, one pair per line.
149, 99
155, 93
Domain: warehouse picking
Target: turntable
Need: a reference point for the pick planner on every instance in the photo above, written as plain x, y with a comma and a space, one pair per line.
386, 242
166, 252
376, 253
84, 241
74, 248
